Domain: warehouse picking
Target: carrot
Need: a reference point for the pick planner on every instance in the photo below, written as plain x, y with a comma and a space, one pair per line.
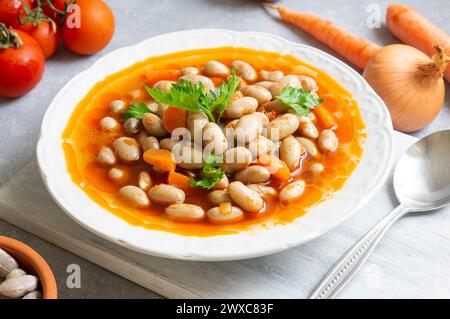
179, 180
153, 76
356, 50
174, 118
414, 29
162, 159
326, 118
277, 168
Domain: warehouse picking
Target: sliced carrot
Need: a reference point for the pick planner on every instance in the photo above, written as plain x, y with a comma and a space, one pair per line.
414, 29
277, 168
153, 76
326, 118
179, 180
161, 159
356, 50
174, 118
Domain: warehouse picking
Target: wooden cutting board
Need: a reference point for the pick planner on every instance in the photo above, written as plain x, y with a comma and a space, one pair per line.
411, 262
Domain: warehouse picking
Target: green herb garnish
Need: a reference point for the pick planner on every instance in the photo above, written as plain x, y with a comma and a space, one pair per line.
299, 100
193, 97
211, 173
137, 110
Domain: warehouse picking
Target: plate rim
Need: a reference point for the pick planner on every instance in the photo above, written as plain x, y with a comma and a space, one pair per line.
239, 254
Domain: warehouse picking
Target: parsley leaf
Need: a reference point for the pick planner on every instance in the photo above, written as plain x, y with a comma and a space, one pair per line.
136, 110
211, 173
299, 100
193, 97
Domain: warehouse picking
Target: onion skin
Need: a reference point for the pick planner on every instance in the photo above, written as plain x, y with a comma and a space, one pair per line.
410, 83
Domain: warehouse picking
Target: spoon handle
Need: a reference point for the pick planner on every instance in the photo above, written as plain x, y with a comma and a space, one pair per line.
353, 259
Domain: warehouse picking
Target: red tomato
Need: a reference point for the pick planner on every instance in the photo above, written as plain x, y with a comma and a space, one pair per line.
46, 35
59, 5
95, 30
10, 10
21, 68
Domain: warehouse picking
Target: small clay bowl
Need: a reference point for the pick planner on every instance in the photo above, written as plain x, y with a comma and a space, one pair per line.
30, 261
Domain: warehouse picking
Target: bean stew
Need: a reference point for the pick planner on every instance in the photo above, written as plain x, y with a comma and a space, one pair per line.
214, 141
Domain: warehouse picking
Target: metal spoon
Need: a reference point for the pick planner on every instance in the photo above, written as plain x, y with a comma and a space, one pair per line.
421, 184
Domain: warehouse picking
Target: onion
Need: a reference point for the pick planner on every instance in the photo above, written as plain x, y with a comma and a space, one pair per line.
410, 83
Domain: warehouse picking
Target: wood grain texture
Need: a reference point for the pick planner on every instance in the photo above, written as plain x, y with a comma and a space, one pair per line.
412, 261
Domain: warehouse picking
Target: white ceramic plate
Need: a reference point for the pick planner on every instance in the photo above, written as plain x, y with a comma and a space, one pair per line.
370, 174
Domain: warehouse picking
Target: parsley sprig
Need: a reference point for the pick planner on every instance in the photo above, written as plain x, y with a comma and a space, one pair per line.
211, 173
193, 97
299, 100
137, 111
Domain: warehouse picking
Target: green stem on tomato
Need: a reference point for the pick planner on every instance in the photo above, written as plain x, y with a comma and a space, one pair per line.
9, 38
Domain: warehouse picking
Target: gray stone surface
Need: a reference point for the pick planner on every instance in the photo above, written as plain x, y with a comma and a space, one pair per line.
137, 20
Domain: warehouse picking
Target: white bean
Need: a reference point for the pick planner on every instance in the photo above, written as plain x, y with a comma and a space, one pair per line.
135, 196
277, 106
292, 192
265, 84
15, 273
260, 146
223, 183
162, 108
17, 287
263, 190
249, 127
208, 84
317, 168
261, 94
271, 75
218, 196
245, 197
152, 105
117, 106
253, 175
190, 70
7, 263
289, 80
168, 143
154, 125
282, 126
195, 122
117, 175
328, 141
291, 152
127, 149
106, 156
163, 85
240, 107
33, 295
307, 128
108, 123
232, 124
188, 156
214, 139
216, 215
166, 194
144, 181
236, 159
308, 83
245, 70
150, 143
215, 68
131, 125
309, 146
185, 213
